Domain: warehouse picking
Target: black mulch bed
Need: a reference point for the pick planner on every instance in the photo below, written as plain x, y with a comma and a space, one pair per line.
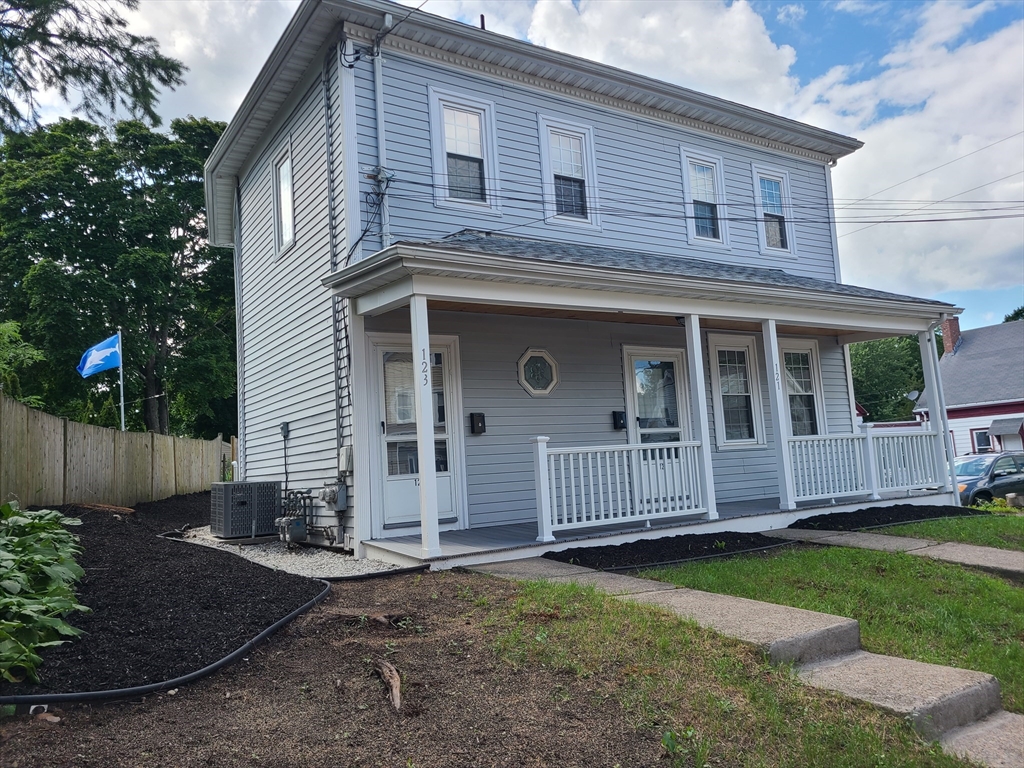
879, 516
653, 552
160, 608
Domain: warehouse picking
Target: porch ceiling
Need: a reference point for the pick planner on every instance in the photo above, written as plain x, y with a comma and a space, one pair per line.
507, 275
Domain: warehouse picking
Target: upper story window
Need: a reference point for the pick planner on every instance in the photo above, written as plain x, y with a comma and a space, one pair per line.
284, 202
704, 191
567, 160
736, 392
464, 152
773, 207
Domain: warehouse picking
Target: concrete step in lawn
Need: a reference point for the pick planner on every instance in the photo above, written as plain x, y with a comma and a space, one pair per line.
937, 699
1003, 562
960, 707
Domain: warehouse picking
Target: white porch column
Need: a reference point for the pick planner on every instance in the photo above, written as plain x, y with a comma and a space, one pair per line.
363, 434
937, 409
699, 409
423, 397
780, 413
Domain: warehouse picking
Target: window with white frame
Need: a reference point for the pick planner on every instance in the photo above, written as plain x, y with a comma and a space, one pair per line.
773, 208
803, 387
567, 162
704, 191
284, 201
981, 440
464, 151
736, 391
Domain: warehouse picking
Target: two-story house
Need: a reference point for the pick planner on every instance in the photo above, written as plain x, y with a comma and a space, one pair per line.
514, 300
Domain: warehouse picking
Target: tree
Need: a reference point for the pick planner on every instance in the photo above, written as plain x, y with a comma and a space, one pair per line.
885, 371
16, 355
103, 230
80, 45
1017, 314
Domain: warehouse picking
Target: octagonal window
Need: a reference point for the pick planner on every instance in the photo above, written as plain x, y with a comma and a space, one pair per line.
538, 372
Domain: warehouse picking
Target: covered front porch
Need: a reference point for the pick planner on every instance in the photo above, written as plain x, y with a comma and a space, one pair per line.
663, 396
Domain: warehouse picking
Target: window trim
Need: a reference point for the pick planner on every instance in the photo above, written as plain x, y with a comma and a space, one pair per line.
723, 341
438, 99
555, 378
586, 134
759, 172
688, 155
809, 346
283, 155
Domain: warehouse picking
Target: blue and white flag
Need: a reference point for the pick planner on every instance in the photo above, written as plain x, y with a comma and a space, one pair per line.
102, 357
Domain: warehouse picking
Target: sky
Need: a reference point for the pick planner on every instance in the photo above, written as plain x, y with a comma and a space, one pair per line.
935, 90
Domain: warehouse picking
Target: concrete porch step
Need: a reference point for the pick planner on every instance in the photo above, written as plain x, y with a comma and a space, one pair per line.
937, 699
997, 741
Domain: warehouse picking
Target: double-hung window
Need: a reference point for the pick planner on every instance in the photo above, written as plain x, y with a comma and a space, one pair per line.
567, 160
704, 192
464, 152
803, 387
773, 211
736, 391
284, 202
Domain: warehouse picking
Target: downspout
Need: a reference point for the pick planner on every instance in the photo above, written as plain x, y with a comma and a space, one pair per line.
382, 154
239, 474
941, 405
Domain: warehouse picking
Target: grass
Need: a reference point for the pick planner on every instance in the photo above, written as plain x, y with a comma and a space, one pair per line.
710, 701
1001, 531
907, 606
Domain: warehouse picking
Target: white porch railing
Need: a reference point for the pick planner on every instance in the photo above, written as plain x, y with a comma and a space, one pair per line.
869, 463
586, 487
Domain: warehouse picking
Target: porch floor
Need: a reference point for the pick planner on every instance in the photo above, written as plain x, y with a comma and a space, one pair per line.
506, 542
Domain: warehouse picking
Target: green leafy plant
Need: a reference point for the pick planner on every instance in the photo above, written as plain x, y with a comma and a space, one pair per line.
37, 576
994, 505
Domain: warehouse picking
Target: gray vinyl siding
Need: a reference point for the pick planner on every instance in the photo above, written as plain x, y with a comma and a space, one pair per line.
639, 173
289, 372
499, 463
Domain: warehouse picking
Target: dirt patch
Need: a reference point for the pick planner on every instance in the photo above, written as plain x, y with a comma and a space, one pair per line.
160, 608
650, 552
310, 697
879, 516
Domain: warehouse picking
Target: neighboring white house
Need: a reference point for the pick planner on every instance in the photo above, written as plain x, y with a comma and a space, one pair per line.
982, 373
513, 299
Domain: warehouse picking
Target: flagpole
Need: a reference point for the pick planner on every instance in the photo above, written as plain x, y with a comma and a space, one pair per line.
120, 373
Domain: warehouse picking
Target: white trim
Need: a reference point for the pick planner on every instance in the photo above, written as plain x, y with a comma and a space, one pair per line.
688, 155
545, 126
349, 158
456, 433
810, 346
438, 99
678, 356
780, 418
278, 159
780, 175
747, 344
831, 203
555, 378
362, 433
850, 394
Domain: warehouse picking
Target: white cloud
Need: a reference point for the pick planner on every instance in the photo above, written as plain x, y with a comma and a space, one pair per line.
791, 14
859, 6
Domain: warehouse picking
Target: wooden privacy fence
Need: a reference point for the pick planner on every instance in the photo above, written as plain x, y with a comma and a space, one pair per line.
46, 460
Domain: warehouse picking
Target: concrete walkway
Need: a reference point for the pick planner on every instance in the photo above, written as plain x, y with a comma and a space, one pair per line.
960, 708
1002, 562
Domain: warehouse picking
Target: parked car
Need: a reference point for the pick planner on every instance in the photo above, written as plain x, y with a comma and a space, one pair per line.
983, 477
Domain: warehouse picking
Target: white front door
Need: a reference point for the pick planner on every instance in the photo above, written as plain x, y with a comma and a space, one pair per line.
664, 478
399, 460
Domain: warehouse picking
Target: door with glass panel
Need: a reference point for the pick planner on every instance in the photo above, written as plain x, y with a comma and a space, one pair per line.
658, 416
398, 443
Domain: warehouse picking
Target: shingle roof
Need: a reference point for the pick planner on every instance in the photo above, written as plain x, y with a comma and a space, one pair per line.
474, 241
1011, 426
987, 367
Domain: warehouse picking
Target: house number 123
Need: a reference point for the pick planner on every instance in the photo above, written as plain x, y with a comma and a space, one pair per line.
426, 368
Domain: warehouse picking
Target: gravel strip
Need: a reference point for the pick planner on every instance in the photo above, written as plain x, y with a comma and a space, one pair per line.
304, 561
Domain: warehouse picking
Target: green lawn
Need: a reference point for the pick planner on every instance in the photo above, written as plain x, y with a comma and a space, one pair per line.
907, 606
711, 701
1001, 531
